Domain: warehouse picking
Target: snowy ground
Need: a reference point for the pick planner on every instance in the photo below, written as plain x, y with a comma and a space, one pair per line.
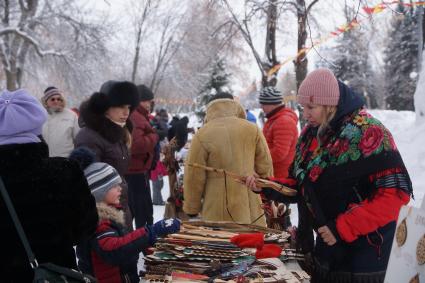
409, 137
158, 210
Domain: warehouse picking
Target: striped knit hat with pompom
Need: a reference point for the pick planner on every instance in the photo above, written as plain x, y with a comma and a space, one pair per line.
49, 92
269, 96
101, 177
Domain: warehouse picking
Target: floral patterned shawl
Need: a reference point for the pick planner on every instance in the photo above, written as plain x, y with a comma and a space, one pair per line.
359, 138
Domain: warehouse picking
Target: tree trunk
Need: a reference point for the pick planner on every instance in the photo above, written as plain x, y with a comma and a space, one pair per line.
11, 80
136, 55
423, 26
270, 48
301, 62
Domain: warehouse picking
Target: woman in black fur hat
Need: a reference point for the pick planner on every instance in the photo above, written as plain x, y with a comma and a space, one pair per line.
107, 130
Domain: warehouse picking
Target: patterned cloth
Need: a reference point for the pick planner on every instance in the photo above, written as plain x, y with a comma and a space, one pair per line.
361, 138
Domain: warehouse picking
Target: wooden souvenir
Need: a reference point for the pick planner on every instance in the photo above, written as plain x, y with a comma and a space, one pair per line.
401, 233
420, 250
415, 279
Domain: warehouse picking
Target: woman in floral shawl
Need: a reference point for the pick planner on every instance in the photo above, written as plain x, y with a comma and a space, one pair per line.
351, 183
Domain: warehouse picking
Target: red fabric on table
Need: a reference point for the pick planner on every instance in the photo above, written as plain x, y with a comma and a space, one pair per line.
251, 240
268, 251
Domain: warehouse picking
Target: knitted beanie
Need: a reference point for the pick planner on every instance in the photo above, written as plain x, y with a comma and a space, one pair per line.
101, 177
49, 92
145, 93
319, 87
21, 117
269, 96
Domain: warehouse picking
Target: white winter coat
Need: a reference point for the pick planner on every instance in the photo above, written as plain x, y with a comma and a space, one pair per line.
59, 132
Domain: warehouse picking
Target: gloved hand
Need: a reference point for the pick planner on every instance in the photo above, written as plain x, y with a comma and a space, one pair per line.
162, 228
166, 226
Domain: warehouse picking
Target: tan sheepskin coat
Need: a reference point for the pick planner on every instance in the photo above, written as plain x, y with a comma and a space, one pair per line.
226, 141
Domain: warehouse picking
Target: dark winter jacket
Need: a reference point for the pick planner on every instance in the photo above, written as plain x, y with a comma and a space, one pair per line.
105, 138
160, 123
281, 135
143, 144
180, 131
354, 181
112, 254
54, 204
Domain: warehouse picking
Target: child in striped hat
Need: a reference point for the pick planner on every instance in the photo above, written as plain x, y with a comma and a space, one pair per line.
112, 254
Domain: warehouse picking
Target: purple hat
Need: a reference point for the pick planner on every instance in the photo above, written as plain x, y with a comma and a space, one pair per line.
21, 117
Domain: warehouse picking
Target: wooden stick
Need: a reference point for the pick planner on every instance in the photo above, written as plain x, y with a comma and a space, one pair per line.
197, 238
202, 231
260, 183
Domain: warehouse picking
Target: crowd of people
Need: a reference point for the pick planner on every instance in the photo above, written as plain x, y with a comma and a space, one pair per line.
82, 178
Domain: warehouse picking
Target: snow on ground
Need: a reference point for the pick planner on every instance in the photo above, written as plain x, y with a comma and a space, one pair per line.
409, 137
158, 210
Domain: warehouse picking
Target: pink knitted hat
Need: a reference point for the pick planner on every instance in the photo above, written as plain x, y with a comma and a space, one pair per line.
319, 87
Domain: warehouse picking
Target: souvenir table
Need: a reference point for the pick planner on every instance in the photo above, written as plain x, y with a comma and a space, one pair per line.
203, 252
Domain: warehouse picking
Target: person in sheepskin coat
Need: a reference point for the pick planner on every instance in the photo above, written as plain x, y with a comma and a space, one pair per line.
107, 129
351, 183
226, 141
50, 195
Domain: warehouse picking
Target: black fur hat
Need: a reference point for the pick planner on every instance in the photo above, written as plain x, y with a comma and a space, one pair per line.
114, 93
145, 93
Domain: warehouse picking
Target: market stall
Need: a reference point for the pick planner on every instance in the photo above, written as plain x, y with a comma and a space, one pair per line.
224, 252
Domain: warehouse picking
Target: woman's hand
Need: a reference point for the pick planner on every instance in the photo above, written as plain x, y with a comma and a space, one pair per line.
250, 183
327, 235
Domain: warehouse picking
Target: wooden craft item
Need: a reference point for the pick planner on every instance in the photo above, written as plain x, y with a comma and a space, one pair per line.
401, 233
202, 231
420, 250
415, 279
260, 183
197, 238
231, 226
205, 248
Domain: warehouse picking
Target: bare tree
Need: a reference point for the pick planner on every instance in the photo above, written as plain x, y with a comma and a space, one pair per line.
271, 10
243, 26
270, 48
204, 32
155, 23
141, 9
40, 28
170, 41
301, 62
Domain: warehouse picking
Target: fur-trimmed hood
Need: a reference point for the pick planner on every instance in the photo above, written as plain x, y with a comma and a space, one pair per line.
107, 212
224, 107
102, 125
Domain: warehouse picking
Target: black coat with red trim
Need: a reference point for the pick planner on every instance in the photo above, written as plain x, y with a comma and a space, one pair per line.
112, 255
